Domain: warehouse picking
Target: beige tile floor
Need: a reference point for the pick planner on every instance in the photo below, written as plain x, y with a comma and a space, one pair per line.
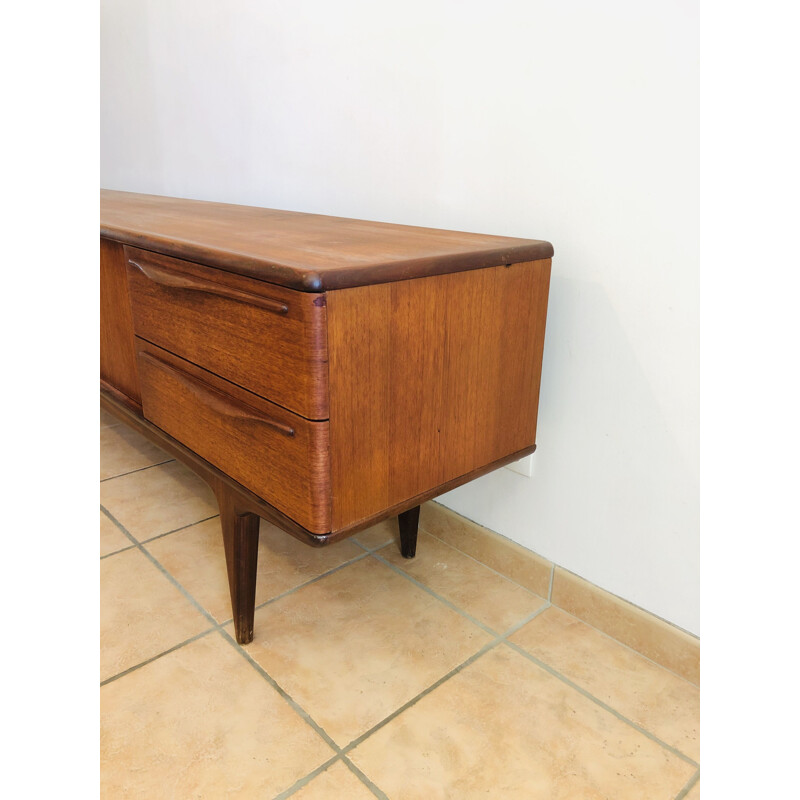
369, 675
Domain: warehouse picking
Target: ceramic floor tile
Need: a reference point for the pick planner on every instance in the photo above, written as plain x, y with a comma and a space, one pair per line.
201, 722
506, 557
385, 532
157, 500
503, 727
123, 450
195, 557
337, 781
472, 587
141, 613
661, 702
694, 792
111, 537
358, 644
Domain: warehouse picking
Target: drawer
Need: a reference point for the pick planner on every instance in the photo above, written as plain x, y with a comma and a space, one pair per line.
266, 338
278, 455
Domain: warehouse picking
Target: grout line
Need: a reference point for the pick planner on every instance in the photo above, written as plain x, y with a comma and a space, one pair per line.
161, 569
118, 524
121, 550
306, 779
152, 538
474, 657
156, 657
299, 586
549, 598
431, 592
282, 692
445, 601
309, 720
364, 779
377, 547
175, 530
140, 469
414, 700
692, 782
294, 589
523, 622
605, 706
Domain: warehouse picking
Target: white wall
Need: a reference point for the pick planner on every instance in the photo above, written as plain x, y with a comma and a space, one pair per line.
572, 121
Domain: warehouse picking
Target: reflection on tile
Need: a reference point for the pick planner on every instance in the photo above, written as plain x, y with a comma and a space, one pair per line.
658, 640
660, 702
195, 556
111, 537
487, 596
503, 727
506, 557
157, 500
336, 782
107, 419
141, 613
123, 450
378, 535
201, 722
356, 645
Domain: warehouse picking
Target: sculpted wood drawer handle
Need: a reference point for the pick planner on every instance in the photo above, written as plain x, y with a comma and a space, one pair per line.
218, 402
175, 280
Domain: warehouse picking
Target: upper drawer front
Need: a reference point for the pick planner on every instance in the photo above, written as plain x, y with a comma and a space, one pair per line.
280, 456
267, 338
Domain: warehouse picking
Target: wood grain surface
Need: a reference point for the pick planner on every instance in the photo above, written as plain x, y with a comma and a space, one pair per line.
309, 252
280, 456
246, 500
430, 380
268, 339
117, 354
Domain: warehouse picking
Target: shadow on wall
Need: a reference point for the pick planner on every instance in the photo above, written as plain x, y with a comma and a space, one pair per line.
131, 156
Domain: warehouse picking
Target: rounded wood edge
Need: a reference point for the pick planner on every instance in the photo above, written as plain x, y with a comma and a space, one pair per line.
346, 277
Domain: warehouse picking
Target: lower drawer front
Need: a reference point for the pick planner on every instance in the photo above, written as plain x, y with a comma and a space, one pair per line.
281, 457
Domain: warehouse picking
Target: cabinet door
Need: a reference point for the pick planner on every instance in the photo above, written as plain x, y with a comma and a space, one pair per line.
117, 353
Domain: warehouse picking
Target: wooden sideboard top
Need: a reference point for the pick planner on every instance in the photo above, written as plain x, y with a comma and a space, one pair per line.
309, 252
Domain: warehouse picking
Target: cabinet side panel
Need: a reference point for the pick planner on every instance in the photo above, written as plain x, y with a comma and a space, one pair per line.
431, 379
117, 353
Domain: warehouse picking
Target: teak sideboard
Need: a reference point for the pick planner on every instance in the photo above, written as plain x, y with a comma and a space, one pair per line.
322, 373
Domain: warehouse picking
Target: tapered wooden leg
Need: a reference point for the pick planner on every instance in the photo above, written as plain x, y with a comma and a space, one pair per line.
240, 534
409, 524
